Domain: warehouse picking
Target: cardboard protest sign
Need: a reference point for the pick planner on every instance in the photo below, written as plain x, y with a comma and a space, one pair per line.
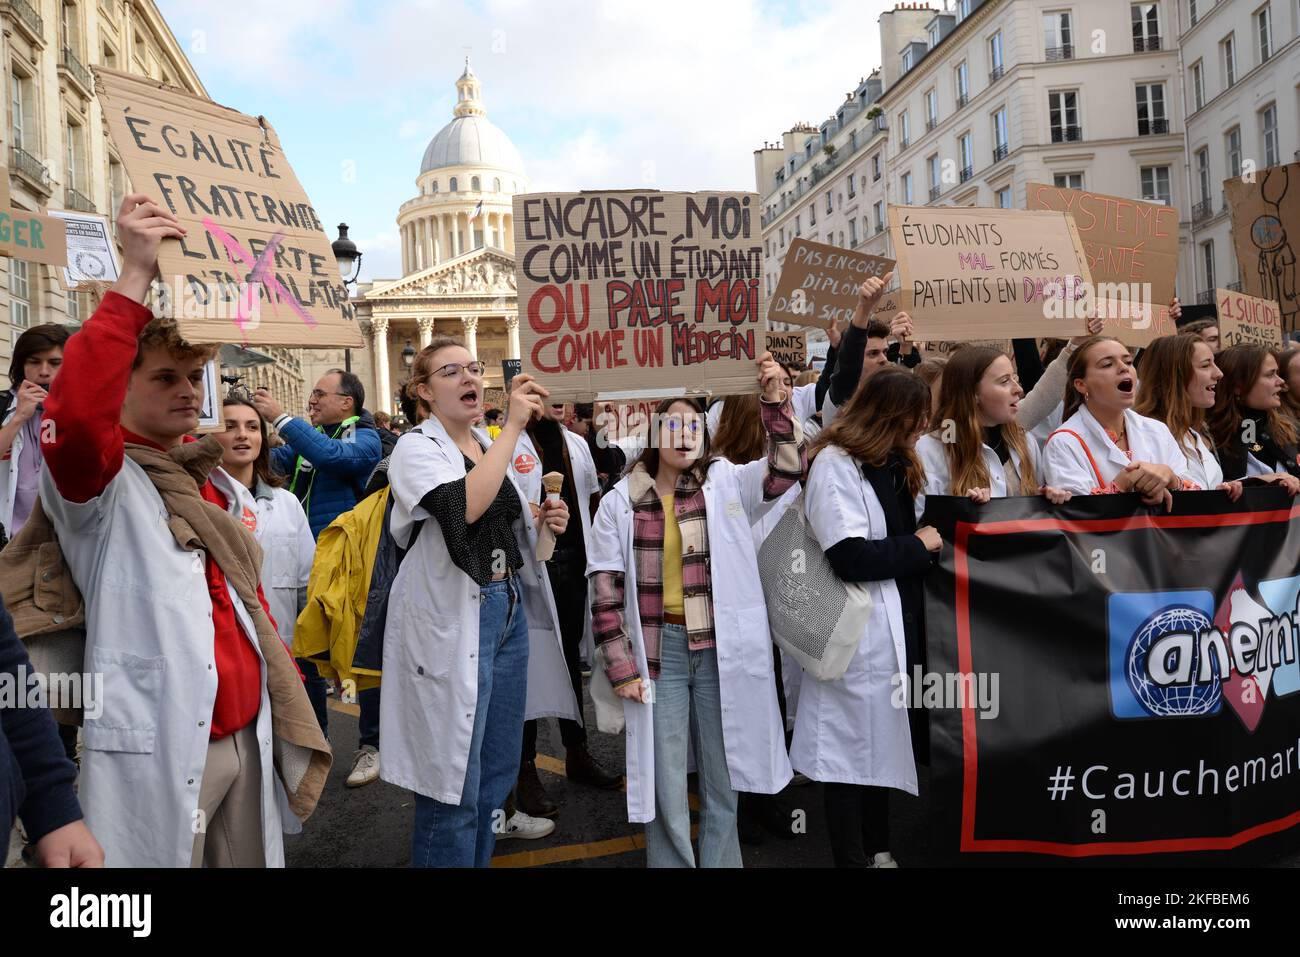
1266, 233
819, 283
639, 292
92, 251
31, 236
975, 273
255, 265
1132, 252
788, 348
1247, 319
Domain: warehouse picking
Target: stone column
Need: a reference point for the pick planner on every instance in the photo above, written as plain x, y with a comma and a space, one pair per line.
435, 224
429, 258
379, 328
471, 334
426, 330
512, 335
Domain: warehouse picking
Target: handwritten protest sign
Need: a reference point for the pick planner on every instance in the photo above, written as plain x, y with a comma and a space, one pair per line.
1266, 232
788, 348
27, 235
255, 265
639, 292
819, 283
92, 251
1132, 251
1247, 319
971, 273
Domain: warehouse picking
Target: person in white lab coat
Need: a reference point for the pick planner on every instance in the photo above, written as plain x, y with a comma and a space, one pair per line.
859, 500
278, 521
471, 645
681, 625
1251, 435
1104, 446
547, 446
1178, 382
975, 447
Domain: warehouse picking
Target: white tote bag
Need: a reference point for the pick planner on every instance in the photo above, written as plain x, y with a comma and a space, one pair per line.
814, 616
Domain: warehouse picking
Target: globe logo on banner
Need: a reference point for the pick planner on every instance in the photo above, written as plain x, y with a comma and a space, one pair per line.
1155, 668
1154, 664
1175, 655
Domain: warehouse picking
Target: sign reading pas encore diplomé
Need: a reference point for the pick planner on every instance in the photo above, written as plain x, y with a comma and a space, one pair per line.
639, 292
255, 265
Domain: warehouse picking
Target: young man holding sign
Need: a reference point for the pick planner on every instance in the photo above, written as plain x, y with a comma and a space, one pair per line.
178, 768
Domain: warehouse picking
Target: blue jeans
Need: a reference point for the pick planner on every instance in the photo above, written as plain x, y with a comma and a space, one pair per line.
463, 835
687, 697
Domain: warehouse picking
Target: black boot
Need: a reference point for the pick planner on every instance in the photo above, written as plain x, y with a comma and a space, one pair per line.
580, 766
531, 796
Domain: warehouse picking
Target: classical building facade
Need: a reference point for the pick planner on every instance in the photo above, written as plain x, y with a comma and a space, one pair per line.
457, 257
973, 103
1241, 93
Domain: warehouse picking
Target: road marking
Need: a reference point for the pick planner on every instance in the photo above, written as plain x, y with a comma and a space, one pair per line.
577, 852
352, 709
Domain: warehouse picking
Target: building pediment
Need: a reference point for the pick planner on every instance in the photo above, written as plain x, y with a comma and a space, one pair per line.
485, 271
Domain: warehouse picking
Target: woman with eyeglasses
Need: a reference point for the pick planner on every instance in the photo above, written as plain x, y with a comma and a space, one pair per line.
472, 644
681, 625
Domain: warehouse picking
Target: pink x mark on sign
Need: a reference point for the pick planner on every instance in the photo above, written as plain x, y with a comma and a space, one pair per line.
261, 272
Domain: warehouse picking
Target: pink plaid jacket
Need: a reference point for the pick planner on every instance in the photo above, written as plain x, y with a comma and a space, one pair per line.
787, 460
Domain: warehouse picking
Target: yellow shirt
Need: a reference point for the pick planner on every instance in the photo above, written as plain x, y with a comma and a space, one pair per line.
672, 560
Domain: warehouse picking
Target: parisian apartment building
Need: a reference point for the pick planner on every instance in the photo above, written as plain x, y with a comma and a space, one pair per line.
1160, 101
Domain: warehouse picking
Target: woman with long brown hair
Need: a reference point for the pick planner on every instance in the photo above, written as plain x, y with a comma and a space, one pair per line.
859, 500
681, 625
1104, 446
1178, 384
1251, 435
975, 446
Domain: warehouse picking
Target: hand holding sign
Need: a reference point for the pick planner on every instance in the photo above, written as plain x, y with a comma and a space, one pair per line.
769, 378
869, 294
142, 225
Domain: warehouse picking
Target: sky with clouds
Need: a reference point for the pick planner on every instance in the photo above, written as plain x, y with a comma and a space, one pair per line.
595, 93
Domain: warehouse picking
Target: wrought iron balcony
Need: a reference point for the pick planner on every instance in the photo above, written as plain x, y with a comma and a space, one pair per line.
1141, 45
934, 192
995, 74
68, 61
1066, 134
1000, 152
1153, 127
26, 17
962, 100
72, 199
1202, 210
1235, 286
880, 228
1205, 297
930, 123
966, 173
1065, 52
31, 169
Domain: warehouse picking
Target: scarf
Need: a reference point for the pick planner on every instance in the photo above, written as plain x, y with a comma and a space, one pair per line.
302, 755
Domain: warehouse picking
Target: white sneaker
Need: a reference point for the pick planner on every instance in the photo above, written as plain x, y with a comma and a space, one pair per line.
883, 859
365, 767
526, 827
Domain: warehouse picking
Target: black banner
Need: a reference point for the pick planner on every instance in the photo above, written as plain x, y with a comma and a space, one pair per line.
1109, 679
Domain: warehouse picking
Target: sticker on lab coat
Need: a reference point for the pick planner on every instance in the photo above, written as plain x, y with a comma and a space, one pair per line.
735, 510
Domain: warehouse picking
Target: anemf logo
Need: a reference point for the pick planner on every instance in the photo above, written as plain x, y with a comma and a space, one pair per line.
1172, 654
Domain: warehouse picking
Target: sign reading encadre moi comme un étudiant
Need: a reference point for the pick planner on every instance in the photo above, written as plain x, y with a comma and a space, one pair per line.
639, 293
255, 265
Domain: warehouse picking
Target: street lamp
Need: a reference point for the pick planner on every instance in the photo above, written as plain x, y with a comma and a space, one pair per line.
408, 355
349, 259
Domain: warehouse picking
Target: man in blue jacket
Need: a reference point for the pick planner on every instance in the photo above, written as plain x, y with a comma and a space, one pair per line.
36, 777
327, 463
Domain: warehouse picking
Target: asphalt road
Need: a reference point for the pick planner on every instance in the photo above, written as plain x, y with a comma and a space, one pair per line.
371, 826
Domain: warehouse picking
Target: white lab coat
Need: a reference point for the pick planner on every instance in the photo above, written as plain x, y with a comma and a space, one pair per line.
848, 731
431, 638
287, 552
1066, 465
930, 449
1203, 466
526, 470
149, 633
9, 472
751, 720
